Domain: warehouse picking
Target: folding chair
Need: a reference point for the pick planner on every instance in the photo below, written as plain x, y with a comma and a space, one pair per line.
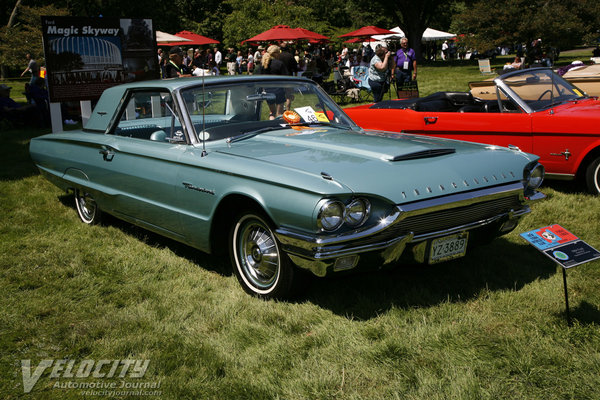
361, 79
484, 66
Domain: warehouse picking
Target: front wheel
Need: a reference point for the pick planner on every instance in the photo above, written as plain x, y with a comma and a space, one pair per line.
592, 177
261, 267
87, 209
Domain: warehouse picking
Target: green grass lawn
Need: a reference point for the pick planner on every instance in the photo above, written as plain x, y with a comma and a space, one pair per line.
487, 326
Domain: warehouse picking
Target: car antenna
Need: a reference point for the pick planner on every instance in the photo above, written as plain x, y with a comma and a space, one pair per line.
204, 153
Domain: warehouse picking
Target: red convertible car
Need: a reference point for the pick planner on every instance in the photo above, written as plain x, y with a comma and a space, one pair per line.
534, 109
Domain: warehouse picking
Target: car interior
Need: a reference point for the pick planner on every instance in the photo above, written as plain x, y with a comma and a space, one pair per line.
449, 102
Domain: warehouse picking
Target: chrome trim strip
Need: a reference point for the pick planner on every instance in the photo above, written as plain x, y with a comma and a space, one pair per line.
463, 199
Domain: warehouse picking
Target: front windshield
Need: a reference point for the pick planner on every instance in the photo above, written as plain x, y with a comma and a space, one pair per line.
542, 88
227, 110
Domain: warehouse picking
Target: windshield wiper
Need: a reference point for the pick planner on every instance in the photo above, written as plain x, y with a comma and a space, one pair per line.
249, 134
321, 123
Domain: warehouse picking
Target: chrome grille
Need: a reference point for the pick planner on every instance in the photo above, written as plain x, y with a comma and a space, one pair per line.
445, 219
449, 218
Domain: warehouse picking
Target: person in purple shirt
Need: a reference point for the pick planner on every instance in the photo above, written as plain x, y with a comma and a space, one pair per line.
405, 70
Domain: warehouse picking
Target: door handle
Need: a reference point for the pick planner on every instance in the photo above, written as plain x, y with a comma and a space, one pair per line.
430, 120
107, 153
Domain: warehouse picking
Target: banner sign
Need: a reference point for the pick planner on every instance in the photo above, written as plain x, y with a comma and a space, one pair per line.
561, 246
85, 56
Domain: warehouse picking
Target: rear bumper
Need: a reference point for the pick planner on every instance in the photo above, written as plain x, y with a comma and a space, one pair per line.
410, 226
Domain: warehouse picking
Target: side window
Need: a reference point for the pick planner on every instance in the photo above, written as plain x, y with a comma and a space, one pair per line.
150, 115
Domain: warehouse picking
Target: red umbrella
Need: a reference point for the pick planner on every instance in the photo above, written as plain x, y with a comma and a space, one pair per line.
366, 31
313, 36
278, 32
193, 39
360, 40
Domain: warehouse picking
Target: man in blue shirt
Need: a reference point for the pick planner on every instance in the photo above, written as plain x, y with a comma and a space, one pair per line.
405, 71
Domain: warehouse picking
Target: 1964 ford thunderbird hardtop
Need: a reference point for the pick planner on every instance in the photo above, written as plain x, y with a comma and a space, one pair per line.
204, 163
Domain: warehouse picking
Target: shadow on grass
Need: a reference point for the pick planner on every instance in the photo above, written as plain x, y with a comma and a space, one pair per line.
586, 313
501, 265
14, 152
210, 262
567, 187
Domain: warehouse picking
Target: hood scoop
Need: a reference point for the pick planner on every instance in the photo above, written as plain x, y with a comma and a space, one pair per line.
422, 154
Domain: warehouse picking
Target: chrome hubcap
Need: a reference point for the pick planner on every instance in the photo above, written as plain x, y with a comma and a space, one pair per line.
87, 206
258, 254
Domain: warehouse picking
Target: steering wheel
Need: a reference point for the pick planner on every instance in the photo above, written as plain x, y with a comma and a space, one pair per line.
544, 93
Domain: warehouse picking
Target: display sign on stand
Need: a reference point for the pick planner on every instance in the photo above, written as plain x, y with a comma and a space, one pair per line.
564, 248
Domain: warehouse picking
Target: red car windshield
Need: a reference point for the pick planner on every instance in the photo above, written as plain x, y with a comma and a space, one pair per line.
540, 88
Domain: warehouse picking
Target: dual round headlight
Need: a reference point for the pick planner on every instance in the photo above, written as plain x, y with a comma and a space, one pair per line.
334, 213
535, 177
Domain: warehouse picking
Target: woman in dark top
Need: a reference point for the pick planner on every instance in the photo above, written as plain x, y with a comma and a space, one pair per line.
271, 65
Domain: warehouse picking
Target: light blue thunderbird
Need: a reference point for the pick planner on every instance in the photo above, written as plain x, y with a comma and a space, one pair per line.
218, 165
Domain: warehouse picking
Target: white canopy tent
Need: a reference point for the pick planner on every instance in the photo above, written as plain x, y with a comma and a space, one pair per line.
429, 35
392, 36
162, 37
433, 34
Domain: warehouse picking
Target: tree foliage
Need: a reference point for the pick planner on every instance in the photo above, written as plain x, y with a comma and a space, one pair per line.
251, 17
25, 36
485, 23
490, 23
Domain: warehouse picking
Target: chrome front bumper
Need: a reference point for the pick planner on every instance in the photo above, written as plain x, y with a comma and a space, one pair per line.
409, 225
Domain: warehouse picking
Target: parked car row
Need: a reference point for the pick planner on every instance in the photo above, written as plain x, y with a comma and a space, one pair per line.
216, 165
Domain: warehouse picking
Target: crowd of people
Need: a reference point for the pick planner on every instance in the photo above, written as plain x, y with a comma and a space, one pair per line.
312, 61
176, 61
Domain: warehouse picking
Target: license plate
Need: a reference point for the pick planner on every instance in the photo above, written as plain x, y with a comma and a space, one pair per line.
448, 247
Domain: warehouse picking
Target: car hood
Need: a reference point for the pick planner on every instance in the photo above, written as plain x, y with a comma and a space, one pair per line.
399, 167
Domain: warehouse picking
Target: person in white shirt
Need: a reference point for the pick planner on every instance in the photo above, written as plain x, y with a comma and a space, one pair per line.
445, 50
218, 57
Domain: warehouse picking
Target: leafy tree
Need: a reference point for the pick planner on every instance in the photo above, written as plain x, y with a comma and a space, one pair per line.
24, 36
491, 23
251, 17
205, 17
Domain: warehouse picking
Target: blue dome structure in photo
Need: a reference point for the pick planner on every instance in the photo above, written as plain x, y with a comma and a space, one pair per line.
96, 53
